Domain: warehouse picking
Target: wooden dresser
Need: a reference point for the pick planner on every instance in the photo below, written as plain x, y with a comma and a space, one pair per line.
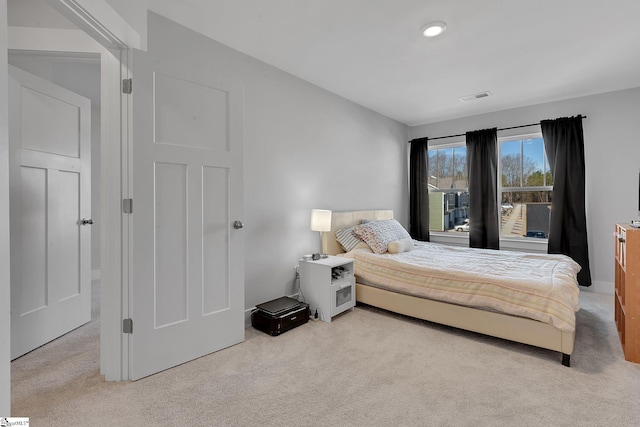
627, 295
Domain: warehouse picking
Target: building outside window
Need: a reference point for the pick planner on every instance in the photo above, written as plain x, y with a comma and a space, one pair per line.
525, 188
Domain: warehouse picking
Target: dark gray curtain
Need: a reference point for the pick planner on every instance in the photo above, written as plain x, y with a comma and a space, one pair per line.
564, 144
419, 189
482, 165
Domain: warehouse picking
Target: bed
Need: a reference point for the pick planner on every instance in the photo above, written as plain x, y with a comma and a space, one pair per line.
489, 321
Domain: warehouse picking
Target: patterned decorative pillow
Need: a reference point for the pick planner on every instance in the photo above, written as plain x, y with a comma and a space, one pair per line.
347, 238
349, 241
378, 234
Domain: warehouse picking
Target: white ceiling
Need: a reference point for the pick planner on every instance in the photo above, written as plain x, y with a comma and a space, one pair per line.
35, 13
372, 52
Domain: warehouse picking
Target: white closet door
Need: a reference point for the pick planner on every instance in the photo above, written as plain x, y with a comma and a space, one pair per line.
50, 179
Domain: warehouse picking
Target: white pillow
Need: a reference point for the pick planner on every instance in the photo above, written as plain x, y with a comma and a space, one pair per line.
378, 234
398, 246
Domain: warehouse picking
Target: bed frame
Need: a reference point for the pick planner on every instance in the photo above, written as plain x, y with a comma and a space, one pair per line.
513, 328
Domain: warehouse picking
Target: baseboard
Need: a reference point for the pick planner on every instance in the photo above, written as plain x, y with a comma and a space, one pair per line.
247, 316
96, 274
600, 287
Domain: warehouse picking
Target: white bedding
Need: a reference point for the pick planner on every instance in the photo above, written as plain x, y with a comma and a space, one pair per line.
538, 286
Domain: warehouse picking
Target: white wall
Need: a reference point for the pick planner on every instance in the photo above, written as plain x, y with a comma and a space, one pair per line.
5, 331
304, 148
612, 155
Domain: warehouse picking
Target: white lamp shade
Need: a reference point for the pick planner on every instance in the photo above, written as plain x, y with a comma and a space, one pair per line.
320, 220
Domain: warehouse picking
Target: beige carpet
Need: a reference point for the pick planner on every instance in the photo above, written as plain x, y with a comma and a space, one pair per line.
367, 368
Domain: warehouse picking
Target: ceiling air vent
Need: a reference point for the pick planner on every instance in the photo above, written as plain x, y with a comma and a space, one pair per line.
475, 96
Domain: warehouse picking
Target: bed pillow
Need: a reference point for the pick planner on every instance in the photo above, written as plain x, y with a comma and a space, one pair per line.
398, 246
378, 234
347, 238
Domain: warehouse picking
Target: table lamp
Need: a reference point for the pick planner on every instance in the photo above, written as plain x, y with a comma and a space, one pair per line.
320, 221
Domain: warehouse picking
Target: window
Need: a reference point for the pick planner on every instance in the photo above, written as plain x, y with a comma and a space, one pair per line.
448, 193
525, 188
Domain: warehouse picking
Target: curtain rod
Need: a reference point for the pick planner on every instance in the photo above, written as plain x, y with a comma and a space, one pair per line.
512, 127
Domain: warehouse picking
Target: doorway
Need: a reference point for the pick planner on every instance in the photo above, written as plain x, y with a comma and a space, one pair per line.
71, 73
99, 26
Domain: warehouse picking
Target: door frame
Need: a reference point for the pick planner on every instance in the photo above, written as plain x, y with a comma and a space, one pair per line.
100, 21
5, 282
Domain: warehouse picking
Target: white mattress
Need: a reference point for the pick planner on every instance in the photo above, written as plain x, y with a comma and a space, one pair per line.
538, 286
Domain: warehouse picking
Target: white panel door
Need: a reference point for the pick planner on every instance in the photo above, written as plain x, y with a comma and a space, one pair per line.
187, 257
50, 179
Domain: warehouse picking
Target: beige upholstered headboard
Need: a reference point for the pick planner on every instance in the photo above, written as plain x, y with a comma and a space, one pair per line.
340, 220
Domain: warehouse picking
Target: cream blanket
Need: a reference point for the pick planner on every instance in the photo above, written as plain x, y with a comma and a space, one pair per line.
538, 286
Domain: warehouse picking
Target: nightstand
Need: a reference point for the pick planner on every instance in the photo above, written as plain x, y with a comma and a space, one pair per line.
328, 285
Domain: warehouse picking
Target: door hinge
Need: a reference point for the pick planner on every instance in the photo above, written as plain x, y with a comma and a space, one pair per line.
127, 86
127, 206
127, 326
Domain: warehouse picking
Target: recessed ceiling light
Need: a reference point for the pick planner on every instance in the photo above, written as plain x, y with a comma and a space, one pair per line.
433, 29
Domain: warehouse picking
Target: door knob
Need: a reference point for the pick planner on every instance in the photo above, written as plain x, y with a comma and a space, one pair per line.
238, 225
86, 221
